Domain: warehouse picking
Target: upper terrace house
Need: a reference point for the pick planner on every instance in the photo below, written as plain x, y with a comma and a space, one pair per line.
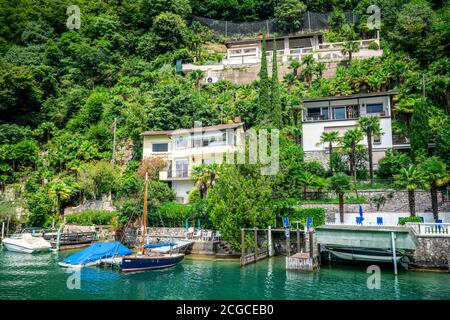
186, 148
341, 113
247, 52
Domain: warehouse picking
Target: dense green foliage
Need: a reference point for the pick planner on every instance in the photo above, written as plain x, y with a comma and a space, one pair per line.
404, 220
91, 217
301, 214
62, 93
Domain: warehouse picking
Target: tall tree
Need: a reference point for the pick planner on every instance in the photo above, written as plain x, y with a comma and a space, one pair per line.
371, 126
264, 86
340, 183
329, 137
436, 173
349, 142
419, 131
288, 14
275, 93
410, 179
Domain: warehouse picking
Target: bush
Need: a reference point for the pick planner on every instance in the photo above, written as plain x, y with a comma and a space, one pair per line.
175, 214
300, 214
373, 46
392, 163
91, 217
315, 167
403, 221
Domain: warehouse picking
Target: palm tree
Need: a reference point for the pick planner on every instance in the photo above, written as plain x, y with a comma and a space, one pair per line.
295, 65
349, 48
340, 183
329, 137
59, 190
306, 180
349, 142
436, 173
410, 179
371, 126
205, 176
319, 184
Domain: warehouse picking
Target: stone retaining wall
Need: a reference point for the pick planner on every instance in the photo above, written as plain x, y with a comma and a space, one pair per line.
398, 203
432, 252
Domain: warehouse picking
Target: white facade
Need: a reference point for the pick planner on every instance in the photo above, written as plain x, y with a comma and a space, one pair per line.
341, 114
186, 148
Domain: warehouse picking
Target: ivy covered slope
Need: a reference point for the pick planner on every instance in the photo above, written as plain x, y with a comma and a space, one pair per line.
62, 93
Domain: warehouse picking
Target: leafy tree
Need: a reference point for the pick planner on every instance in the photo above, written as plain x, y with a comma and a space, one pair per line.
169, 32
241, 198
336, 19
41, 208
435, 172
152, 166
340, 183
97, 178
410, 179
306, 180
329, 137
150, 9
419, 132
288, 14
371, 126
392, 162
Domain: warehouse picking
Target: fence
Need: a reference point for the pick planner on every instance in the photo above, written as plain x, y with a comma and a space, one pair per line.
430, 229
310, 21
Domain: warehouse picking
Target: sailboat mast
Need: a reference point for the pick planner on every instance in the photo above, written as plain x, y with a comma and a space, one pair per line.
144, 218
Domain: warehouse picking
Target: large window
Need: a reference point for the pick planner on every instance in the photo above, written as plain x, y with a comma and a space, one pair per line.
339, 113
374, 108
160, 147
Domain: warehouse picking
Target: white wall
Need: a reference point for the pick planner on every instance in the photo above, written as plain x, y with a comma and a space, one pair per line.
149, 140
389, 218
182, 188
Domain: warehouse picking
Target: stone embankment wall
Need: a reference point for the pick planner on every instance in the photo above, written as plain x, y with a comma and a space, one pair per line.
432, 252
398, 203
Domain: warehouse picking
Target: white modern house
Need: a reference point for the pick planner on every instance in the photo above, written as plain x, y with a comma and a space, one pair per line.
184, 149
341, 113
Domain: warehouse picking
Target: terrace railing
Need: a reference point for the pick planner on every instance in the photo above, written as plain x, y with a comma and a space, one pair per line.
430, 229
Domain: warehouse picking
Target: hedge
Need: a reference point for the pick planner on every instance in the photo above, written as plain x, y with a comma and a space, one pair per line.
91, 217
404, 220
175, 214
300, 214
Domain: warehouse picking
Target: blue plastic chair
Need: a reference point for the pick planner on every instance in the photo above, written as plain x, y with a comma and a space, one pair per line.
380, 221
309, 221
358, 220
438, 225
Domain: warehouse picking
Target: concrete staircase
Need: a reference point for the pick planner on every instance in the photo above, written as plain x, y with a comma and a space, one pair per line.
223, 248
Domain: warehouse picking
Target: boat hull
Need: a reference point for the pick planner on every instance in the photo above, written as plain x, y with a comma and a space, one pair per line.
15, 246
144, 263
364, 255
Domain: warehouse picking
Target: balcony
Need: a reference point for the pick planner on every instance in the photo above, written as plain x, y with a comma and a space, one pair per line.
399, 139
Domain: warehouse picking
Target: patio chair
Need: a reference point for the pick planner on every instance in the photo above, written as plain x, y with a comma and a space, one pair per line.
380, 221
358, 220
189, 233
216, 236
197, 235
207, 236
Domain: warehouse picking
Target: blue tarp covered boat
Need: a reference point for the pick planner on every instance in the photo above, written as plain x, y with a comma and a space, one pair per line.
93, 254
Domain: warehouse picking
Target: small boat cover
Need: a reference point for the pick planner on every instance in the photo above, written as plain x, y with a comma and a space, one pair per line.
159, 245
97, 251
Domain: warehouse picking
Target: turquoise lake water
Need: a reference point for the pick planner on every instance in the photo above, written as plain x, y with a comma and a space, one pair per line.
37, 276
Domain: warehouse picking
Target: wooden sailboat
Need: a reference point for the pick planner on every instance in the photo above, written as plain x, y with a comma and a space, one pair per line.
142, 260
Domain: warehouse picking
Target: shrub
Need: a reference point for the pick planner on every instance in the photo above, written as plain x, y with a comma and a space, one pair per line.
91, 217
392, 163
315, 167
300, 214
403, 221
373, 46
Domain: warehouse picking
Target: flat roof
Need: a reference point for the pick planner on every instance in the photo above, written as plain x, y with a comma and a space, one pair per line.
191, 130
351, 96
259, 39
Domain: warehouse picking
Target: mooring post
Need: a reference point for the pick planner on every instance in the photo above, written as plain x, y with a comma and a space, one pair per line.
256, 244
394, 254
288, 242
242, 246
3, 230
311, 244
269, 241
7, 226
298, 239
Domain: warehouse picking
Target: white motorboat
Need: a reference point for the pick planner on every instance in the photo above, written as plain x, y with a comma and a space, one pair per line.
26, 243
